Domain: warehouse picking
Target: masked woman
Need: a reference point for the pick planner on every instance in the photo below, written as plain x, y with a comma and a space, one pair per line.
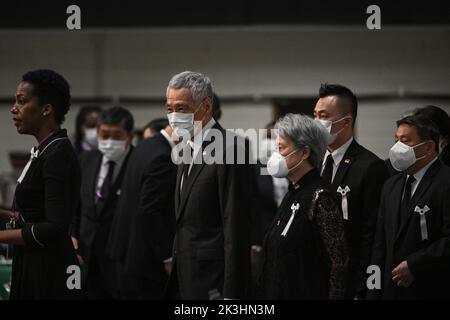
305, 251
47, 193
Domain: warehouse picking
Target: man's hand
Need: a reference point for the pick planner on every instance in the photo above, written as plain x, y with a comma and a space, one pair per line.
168, 267
75, 245
402, 276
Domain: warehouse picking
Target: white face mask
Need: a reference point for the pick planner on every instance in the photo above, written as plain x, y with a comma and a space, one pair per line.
182, 123
402, 156
328, 124
112, 149
277, 165
90, 136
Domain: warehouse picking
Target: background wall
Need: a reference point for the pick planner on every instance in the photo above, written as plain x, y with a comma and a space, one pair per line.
391, 70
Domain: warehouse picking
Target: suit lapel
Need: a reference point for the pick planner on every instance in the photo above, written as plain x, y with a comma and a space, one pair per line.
188, 183
192, 177
423, 186
177, 186
396, 196
345, 164
115, 187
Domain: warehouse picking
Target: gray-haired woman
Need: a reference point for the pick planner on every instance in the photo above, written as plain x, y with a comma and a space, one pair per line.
305, 251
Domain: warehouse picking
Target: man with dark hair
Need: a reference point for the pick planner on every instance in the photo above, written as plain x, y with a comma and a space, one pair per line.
142, 231
412, 242
154, 127
356, 174
102, 175
442, 121
347, 99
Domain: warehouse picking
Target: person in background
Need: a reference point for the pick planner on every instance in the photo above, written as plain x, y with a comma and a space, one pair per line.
102, 170
356, 175
154, 127
142, 236
412, 243
442, 121
47, 193
86, 124
305, 252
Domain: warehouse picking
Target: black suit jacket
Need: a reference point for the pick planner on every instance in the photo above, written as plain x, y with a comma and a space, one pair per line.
364, 173
428, 260
47, 199
95, 225
213, 228
143, 230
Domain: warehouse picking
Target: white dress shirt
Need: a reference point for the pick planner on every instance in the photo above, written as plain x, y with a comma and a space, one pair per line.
104, 171
196, 145
418, 176
337, 155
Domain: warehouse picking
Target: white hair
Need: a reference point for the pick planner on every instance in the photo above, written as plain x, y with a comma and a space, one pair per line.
303, 131
199, 84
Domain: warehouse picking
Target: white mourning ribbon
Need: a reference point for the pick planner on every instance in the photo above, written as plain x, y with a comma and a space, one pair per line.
294, 208
344, 203
423, 221
34, 155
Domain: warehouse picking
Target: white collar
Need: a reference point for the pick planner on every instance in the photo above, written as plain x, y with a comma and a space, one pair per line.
168, 138
205, 130
419, 174
339, 153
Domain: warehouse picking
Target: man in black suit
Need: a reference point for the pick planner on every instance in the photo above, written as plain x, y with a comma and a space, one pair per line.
357, 175
412, 243
102, 175
142, 236
212, 198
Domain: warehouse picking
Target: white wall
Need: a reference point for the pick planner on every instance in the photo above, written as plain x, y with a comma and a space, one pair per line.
258, 62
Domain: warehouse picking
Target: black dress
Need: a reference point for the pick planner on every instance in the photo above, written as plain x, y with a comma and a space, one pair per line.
46, 199
305, 260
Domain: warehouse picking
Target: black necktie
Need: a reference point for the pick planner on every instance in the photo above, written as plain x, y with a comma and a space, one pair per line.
406, 197
185, 172
107, 183
327, 173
